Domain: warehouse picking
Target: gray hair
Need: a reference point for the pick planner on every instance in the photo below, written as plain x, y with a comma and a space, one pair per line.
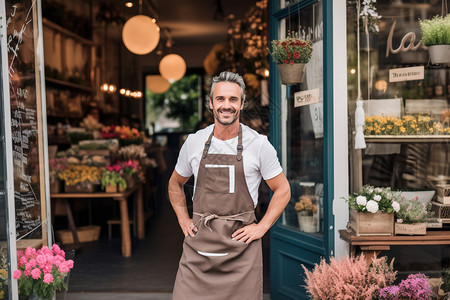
226, 76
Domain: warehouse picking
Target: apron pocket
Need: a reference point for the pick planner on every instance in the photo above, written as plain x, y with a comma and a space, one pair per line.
219, 179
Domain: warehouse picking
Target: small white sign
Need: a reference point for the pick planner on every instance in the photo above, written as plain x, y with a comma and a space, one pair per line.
306, 97
406, 74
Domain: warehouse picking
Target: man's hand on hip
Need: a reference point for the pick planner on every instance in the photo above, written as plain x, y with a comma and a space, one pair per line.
249, 233
188, 227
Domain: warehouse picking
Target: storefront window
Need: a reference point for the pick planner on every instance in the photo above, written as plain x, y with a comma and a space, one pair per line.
303, 129
406, 95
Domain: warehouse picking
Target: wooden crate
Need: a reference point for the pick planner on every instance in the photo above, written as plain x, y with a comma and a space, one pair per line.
366, 223
411, 229
85, 234
443, 191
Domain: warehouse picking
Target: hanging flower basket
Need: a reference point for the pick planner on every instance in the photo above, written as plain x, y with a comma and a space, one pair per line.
291, 73
439, 54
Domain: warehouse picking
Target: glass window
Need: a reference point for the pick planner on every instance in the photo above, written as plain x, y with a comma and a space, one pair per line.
303, 130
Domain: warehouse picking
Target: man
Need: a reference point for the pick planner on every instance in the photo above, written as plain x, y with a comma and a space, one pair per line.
222, 254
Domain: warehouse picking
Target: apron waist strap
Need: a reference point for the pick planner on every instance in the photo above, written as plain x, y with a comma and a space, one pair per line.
207, 217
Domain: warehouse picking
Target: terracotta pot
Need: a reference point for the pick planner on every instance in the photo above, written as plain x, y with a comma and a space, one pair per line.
291, 73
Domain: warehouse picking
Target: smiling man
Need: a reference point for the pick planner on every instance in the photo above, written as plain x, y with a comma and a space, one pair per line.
222, 253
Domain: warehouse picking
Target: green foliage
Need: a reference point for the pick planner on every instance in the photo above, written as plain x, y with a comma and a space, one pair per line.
291, 50
413, 211
445, 274
436, 31
181, 101
113, 178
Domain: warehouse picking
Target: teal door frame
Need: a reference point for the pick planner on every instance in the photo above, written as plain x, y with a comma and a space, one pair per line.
289, 249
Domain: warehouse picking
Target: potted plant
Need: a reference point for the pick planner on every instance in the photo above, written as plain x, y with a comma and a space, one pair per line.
307, 213
349, 278
131, 170
368, 24
411, 217
291, 55
436, 36
111, 179
372, 210
41, 272
415, 287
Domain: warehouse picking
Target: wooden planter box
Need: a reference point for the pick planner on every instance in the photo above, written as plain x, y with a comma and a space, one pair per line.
411, 229
366, 223
111, 188
81, 188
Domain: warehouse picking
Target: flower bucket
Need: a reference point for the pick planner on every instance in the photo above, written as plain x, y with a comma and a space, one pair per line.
410, 229
291, 73
439, 54
307, 223
130, 179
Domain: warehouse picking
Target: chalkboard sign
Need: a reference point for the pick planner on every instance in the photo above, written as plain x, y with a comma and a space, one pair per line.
26, 117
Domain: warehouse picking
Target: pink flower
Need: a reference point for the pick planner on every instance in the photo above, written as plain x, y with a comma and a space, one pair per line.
36, 273
55, 249
110, 168
399, 221
17, 274
47, 269
22, 261
70, 263
41, 260
409, 208
48, 278
64, 267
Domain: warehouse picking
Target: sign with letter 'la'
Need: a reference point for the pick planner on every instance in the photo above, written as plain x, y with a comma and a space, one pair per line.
406, 74
306, 97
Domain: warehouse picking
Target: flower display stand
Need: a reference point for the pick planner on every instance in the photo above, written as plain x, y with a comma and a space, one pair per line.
291, 73
411, 229
307, 223
366, 223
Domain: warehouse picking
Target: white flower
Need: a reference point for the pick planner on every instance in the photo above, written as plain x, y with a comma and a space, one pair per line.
372, 206
370, 190
378, 190
377, 198
399, 221
389, 196
361, 200
396, 206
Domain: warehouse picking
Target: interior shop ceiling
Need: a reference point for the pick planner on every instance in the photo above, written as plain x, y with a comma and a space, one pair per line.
189, 22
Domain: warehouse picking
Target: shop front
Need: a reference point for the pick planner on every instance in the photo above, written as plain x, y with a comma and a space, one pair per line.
369, 65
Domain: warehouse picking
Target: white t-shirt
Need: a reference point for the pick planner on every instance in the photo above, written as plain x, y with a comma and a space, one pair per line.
259, 156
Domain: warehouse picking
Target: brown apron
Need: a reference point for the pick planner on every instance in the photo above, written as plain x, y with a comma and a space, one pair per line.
213, 266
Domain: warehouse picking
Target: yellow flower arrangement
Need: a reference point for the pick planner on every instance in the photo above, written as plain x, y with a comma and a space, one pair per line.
74, 175
407, 125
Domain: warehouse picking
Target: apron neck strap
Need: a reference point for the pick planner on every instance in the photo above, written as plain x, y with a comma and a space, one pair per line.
239, 145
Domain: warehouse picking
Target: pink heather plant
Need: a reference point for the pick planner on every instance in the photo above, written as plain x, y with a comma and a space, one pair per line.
42, 271
349, 278
415, 287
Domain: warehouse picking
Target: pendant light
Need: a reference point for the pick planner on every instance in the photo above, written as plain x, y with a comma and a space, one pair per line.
157, 84
140, 33
172, 67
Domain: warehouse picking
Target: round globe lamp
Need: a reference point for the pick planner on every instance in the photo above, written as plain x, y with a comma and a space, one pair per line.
157, 84
172, 67
140, 34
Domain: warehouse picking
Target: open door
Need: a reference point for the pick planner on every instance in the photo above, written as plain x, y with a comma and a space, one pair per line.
303, 136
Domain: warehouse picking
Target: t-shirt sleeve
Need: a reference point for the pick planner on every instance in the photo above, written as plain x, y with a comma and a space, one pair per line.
183, 167
270, 165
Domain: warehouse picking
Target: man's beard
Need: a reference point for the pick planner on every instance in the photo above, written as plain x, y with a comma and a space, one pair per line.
217, 116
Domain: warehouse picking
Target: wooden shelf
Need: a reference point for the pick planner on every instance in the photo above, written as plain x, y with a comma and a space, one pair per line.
400, 139
66, 32
67, 84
